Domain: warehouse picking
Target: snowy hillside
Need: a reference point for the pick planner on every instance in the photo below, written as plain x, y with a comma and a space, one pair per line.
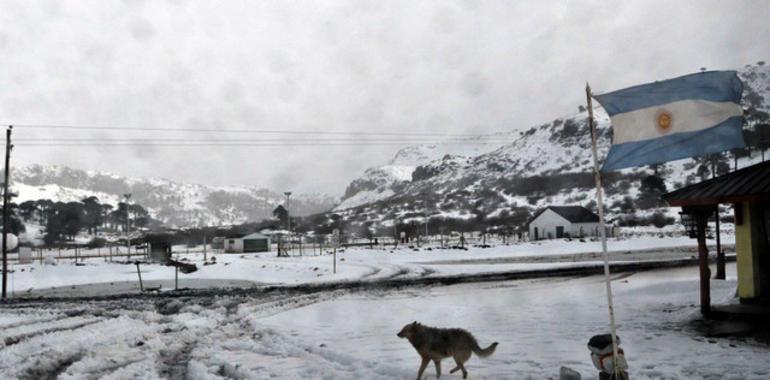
543, 165
174, 203
382, 182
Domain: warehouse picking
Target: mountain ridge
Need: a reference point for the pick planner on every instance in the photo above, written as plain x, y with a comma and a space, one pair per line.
176, 204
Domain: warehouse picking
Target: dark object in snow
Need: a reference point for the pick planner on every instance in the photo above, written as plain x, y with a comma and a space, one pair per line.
602, 357
566, 373
169, 307
183, 267
601, 342
139, 343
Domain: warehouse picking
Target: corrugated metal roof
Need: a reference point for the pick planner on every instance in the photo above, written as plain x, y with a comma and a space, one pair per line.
750, 183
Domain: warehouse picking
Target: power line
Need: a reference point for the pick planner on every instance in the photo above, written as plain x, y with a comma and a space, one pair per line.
271, 140
255, 144
230, 130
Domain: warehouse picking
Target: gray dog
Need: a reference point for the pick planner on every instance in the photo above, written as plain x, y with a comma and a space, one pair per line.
436, 344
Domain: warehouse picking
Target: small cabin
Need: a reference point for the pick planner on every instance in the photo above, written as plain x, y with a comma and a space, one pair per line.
254, 242
159, 248
556, 222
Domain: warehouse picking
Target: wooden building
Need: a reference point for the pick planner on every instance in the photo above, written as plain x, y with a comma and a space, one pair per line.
556, 222
254, 242
748, 191
159, 247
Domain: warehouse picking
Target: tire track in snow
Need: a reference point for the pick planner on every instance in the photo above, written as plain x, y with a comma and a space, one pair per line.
50, 370
49, 355
26, 331
173, 362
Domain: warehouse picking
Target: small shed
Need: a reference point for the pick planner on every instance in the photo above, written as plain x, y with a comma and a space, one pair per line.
254, 242
563, 221
748, 191
159, 247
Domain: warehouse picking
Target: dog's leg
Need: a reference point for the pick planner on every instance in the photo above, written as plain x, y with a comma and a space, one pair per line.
459, 363
465, 373
422, 367
437, 362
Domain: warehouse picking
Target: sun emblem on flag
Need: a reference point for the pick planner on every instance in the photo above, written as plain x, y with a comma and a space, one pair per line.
663, 121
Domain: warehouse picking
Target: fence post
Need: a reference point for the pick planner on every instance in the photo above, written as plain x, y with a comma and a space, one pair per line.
139, 273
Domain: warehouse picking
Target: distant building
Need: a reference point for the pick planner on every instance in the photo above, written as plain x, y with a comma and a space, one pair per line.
556, 222
254, 242
159, 247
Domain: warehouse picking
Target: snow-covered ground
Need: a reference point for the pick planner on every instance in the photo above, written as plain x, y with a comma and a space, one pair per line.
353, 264
540, 325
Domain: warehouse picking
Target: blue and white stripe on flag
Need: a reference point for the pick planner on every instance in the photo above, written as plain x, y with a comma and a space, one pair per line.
688, 116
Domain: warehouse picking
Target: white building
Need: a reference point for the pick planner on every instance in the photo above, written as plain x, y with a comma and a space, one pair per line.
555, 222
254, 242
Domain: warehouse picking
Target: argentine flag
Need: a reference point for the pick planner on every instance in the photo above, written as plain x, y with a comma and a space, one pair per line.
688, 116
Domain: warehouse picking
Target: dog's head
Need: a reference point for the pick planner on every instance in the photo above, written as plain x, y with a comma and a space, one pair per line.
408, 331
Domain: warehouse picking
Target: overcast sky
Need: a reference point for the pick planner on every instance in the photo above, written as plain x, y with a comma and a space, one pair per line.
440, 66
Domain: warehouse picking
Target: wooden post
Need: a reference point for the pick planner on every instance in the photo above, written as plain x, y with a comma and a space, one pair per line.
335, 259
720, 254
204, 248
6, 196
176, 278
603, 232
139, 272
703, 260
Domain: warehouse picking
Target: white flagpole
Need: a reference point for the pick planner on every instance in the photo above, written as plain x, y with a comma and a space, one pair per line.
603, 234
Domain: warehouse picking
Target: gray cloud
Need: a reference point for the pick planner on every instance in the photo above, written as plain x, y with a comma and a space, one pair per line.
446, 66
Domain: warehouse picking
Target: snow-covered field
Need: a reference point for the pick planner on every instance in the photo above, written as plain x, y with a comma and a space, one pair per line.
353, 264
540, 325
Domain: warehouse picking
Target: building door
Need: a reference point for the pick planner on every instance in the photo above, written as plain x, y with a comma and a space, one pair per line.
255, 245
559, 232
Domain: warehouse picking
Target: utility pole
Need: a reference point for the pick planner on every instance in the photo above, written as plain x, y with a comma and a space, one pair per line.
288, 215
128, 227
426, 222
204, 246
6, 194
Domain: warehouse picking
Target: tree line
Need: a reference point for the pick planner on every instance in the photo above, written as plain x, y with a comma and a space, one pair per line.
65, 220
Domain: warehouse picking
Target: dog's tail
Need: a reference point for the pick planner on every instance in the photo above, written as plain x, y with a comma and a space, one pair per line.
483, 353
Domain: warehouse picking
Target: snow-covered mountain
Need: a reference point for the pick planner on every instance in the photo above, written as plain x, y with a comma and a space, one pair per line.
382, 182
544, 165
176, 204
